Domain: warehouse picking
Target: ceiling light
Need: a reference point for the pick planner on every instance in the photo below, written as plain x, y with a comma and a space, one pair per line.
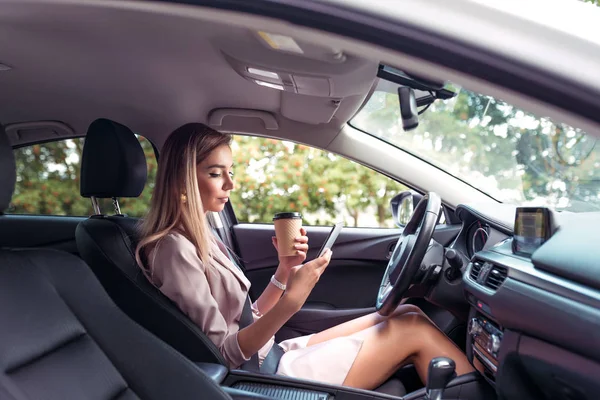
280, 42
268, 84
262, 72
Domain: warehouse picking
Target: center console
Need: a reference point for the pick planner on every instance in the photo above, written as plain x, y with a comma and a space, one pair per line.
485, 338
245, 385
484, 281
484, 334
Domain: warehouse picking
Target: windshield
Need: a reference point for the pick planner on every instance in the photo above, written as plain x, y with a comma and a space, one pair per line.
499, 149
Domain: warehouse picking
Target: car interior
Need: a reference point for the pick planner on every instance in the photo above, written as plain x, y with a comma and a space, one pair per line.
515, 287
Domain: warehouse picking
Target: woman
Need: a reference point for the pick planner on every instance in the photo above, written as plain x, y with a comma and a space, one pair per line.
191, 267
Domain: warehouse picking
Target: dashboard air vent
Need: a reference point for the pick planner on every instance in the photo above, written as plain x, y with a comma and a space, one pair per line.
496, 276
475, 270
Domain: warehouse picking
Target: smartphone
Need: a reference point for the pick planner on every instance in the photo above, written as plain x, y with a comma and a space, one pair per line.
331, 238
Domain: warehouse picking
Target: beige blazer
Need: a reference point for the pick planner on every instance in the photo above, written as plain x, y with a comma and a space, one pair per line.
211, 295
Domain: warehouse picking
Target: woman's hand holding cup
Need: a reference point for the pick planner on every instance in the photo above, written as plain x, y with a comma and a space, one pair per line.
291, 242
300, 248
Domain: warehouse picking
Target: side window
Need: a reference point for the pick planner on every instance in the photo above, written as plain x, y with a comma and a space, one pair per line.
273, 175
48, 181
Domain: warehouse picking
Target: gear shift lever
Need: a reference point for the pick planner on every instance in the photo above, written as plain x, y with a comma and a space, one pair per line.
441, 371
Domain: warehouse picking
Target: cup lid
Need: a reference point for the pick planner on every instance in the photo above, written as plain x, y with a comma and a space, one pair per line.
287, 215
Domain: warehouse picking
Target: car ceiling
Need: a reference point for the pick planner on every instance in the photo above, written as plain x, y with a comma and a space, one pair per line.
154, 72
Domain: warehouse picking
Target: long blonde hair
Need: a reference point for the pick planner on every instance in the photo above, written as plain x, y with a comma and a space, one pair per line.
176, 203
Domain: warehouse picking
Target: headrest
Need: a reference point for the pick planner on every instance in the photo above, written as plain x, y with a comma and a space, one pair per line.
8, 171
113, 163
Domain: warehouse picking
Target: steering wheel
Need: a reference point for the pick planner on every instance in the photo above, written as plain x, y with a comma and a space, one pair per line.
408, 254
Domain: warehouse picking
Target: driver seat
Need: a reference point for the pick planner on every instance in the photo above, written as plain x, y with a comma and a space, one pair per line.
107, 244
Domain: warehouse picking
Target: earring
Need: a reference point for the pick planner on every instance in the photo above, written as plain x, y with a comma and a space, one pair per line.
183, 198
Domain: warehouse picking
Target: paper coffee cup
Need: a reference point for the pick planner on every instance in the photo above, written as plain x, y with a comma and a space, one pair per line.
287, 229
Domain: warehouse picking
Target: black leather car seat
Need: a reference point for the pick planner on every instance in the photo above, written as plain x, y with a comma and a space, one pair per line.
113, 165
63, 338
107, 244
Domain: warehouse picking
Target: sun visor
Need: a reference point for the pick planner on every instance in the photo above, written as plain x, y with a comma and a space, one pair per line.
308, 109
216, 117
312, 86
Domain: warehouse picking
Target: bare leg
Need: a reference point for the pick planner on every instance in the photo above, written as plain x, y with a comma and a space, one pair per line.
359, 324
397, 341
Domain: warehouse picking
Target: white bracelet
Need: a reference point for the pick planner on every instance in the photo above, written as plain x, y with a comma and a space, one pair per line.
278, 284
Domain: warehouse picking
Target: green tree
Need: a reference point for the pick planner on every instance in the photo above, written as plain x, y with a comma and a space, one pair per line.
273, 176
508, 153
48, 178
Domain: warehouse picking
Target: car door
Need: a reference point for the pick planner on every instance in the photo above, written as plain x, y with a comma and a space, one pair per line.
325, 188
46, 206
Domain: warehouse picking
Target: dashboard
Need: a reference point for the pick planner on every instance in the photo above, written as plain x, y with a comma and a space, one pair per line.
534, 292
479, 235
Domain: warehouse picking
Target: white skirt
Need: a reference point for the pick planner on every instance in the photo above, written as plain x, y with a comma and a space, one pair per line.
326, 362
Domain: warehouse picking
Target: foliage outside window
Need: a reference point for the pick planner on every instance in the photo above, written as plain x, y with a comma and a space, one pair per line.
48, 181
512, 155
273, 176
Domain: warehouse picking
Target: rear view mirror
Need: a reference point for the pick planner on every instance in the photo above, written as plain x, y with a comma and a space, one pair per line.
408, 108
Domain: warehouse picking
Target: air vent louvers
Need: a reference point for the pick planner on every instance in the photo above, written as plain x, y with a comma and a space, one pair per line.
475, 270
496, 276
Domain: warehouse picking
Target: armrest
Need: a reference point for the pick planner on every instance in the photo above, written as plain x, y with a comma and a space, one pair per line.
216, 372
237, 394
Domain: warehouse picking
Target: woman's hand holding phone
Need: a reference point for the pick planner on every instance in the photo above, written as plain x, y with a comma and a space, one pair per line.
303, 279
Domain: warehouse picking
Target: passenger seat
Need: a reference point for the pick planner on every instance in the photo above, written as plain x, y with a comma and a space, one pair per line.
62, 337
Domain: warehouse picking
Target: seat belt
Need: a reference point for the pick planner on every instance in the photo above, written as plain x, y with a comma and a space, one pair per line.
246, 318
271, 361
222, 224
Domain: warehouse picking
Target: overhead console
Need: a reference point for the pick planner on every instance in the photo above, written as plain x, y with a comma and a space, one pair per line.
316, 83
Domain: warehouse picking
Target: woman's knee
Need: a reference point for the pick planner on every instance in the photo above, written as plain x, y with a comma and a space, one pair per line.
407, 308
409, 320
412, 331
